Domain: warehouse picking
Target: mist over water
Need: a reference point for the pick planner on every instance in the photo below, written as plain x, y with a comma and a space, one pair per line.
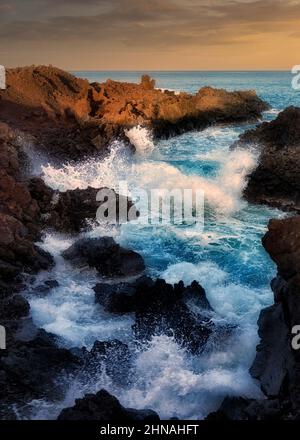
227, 259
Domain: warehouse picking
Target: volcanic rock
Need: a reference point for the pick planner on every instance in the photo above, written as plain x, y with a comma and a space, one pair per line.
29, 370
108, 257
276, 180
160, 308
105, 407
72, 210
69, 118
239, 408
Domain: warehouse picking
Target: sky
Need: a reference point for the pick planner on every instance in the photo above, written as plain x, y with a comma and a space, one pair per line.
151, 34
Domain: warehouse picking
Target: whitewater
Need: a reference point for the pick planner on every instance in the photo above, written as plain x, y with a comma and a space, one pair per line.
226, 258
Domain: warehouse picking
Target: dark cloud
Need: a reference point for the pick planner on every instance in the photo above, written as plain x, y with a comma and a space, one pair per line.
143, 24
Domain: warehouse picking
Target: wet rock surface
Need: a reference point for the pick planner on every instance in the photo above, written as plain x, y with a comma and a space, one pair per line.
160, 308
106, 256
31, 365
239, 408
276, 180
75, 210
69, 118
105, 407
20, 219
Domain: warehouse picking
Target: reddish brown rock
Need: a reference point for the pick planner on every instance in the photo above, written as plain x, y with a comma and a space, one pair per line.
19, 218
71, 118
74, 210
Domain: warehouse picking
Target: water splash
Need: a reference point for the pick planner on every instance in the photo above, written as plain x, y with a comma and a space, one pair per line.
142, 140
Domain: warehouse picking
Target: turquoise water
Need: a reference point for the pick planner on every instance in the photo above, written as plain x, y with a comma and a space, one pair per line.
226, 257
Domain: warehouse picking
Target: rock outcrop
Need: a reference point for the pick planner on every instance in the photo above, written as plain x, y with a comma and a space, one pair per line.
20, 219
276, 180
68, 118
106, 256
75, 210
31, 364
104, 407
161, 308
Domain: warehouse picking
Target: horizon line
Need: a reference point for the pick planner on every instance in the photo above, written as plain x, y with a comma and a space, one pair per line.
178, 70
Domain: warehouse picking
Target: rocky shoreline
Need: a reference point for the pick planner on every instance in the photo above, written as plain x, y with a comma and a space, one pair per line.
276, 180
66, 118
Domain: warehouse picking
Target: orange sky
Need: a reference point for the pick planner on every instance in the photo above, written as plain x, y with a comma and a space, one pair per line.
151, 34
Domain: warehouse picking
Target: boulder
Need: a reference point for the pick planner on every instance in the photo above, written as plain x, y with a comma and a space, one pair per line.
160, 308
69, 118
276, 180
112, 356
105, 407
239, 408
72, 211
105, 255
29, 369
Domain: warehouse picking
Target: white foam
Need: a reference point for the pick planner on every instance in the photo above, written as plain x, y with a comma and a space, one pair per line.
176, 384
232, 301
142, 140
223, 193
70, 310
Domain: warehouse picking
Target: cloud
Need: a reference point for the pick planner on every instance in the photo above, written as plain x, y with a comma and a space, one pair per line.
143, 21
145, 25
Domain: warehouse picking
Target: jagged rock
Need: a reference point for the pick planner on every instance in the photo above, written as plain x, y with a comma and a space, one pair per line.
239, 408
105, 407
276, 180
69, 118
19, 219
70, 211
108, 257
13, 307
274, 355
29, 369
160, 308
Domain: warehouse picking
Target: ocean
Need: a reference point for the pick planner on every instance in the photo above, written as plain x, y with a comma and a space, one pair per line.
226, 257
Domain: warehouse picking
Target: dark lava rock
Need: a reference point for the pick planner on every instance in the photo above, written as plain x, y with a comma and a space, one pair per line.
13, 307
277, 365
239, 408
276, 180
160, 308
20, 219
29, 369
105, 407
108, 257
71, 211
